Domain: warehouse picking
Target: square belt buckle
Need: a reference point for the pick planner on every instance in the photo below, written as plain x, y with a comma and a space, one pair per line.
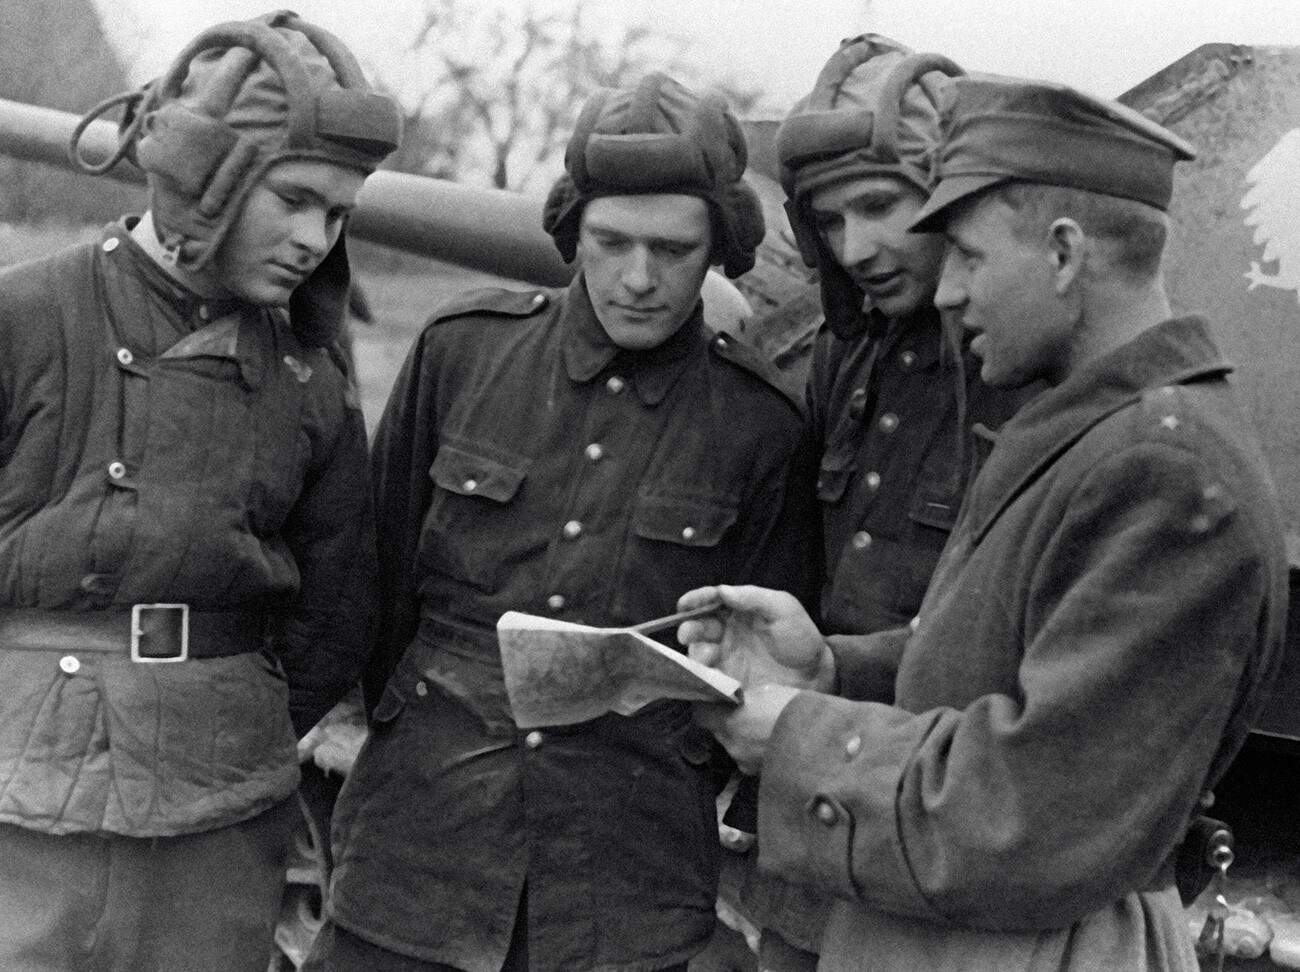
160, 633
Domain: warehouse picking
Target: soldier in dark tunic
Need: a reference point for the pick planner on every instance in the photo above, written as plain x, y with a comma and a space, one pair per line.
588, 455
899, 416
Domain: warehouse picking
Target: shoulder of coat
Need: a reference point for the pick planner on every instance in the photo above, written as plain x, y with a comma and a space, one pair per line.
495, 302
736, 352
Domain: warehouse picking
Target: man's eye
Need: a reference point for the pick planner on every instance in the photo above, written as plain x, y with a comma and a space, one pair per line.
675, 250
828, 221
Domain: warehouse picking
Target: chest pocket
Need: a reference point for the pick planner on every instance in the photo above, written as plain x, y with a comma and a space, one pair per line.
676, 545
471, 526
936, 508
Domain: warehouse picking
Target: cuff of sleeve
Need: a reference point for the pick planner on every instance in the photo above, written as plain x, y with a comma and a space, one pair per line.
827, 800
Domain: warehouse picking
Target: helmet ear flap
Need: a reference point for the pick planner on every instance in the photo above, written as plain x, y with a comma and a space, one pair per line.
740, 214
560, 216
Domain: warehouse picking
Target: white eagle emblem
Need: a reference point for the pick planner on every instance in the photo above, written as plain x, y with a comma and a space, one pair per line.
1274, 204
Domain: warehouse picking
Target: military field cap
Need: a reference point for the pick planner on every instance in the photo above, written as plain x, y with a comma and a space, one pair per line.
659, 137
1000, 129
240, 98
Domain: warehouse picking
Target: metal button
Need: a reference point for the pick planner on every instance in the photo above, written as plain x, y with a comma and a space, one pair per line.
125, 356
908, 358
470, 485
572, 530
888, 422
594, 452
615, 385
555, 602
861, 540
853, 746
826, 813
110, 244
69, 664
688, 533
533, 739
116, 470
857, 403
873, 480
421, 689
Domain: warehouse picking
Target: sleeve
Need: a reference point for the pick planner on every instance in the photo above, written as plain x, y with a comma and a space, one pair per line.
1145, 624
866, 666
401, 455
324, 640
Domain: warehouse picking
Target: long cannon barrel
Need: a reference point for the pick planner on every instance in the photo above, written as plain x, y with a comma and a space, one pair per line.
487, 229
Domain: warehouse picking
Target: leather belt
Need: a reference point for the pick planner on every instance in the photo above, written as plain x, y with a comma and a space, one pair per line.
148, 633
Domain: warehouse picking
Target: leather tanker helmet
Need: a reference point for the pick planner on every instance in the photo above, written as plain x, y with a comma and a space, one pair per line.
660, 137
240, 98
875, 109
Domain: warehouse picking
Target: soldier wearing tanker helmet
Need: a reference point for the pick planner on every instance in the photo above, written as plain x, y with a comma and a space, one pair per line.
584, 455
1015, 802
893, 391
187, 529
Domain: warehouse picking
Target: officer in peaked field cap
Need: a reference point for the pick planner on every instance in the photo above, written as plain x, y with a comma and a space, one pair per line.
188, 543
1105, 621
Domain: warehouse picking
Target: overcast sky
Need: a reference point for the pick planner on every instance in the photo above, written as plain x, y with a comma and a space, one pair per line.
1106, 46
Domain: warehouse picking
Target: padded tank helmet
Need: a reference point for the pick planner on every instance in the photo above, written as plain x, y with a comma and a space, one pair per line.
240, 98
875, 109
660, 137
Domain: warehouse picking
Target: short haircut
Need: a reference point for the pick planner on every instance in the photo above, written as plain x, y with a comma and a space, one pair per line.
1132, 234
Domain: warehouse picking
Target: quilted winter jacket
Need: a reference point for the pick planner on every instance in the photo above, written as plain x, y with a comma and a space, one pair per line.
139, 463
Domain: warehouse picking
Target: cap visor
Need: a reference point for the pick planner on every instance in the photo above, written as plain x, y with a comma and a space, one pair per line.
934, 214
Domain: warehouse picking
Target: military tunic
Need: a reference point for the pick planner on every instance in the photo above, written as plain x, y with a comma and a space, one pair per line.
525, 462
1087, 661
158, 448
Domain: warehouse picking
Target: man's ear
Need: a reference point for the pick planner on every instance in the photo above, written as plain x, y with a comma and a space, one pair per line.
1068, 245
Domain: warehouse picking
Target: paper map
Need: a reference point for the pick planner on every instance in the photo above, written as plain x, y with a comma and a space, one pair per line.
558, 673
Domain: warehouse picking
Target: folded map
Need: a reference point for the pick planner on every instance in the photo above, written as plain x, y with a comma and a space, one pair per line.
558, 673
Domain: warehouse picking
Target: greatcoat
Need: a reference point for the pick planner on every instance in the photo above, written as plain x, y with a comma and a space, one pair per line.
1088, 659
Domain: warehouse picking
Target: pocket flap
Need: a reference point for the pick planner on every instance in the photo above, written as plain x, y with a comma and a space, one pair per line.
690, 521
934, 511
471, 474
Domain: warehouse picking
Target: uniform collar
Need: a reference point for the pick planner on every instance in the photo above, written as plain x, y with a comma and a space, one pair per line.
1172, 353
588, 351
192, 310
205, 328
920, 333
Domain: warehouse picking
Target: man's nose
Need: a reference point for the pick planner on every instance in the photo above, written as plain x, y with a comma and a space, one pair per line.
311, 232
861, 240
638, 270
951, 292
